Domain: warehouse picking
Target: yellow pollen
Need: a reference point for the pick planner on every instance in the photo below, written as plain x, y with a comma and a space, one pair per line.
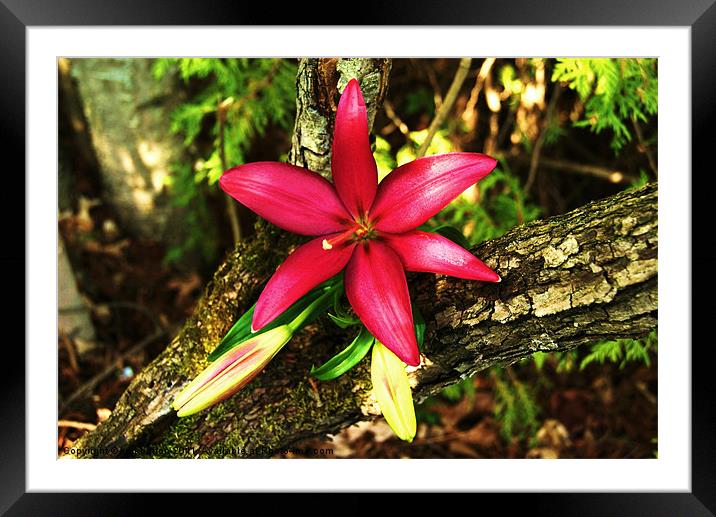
326, 245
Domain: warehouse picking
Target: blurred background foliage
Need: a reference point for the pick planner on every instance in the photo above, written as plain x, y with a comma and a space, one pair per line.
232, 102
565, 131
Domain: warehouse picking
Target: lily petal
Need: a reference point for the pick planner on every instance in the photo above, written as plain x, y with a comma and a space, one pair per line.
417, 190
291, 197
231, 372
391, 389
355, 173
432, 253
305, 268
378, 292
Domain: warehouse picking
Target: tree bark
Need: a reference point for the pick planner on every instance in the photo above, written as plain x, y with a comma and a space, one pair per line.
588, 275
74, 319
129, 117
318, 84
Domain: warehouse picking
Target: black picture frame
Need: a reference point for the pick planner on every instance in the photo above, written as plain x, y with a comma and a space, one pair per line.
17, 15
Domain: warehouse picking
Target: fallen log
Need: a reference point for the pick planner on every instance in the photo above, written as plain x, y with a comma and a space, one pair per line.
584, 276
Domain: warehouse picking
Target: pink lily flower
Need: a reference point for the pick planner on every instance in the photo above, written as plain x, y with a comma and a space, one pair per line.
366, 228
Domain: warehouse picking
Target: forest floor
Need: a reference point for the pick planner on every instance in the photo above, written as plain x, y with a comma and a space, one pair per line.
137, 304
601, 412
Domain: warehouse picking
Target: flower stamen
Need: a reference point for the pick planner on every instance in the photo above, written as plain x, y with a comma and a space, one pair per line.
338, 240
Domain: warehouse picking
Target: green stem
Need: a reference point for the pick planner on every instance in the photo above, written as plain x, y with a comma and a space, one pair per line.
315, 308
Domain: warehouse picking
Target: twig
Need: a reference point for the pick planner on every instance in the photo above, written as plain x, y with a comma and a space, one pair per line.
494, 104
394, 118
468, 115
506, 126
641, 386
90, 384
647, 150
437, 98
69, 345
447, 104
597, 171
76, 425
221, 109
534, 161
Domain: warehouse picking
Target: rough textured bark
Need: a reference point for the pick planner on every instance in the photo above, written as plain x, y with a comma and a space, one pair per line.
590, 274
129, 116
318, 84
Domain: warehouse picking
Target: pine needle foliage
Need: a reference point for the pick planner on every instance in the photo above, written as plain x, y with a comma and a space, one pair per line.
621, 352
231, 102
516, 408
501, 206
615, 92
251, 93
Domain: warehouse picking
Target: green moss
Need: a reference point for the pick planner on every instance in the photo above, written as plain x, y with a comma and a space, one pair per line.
270, 410
246, 425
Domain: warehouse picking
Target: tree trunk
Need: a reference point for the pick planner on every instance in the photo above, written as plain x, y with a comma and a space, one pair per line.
588, 275
129, 116
318, 84
74, 319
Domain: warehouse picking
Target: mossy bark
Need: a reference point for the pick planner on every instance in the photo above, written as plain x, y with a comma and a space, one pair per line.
588, 275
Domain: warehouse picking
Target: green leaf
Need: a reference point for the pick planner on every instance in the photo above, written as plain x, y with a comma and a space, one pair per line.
241, 331
344, 321
452, 233
340, 308
346, 359
419, 323
237, 334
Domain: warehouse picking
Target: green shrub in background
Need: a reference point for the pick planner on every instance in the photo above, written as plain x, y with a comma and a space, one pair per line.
501, 200
232, 102
615, 92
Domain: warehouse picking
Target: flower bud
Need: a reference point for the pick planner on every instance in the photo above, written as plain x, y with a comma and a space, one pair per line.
231, 372
392, 391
